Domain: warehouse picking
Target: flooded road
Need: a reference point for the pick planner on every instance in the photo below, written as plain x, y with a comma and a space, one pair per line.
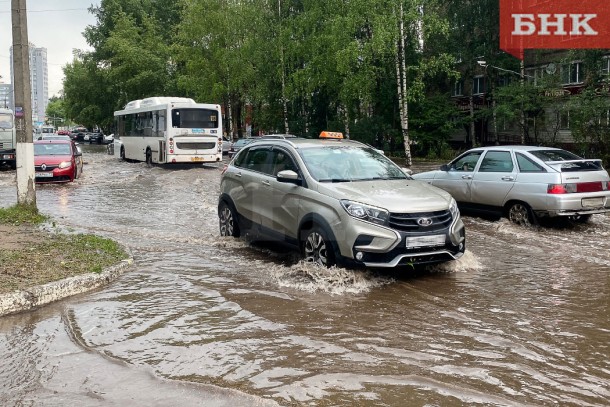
523, 319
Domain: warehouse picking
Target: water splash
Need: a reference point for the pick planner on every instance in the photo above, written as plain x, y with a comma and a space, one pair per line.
310, 277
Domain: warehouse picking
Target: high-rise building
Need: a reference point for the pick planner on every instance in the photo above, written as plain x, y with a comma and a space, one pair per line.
39, 82
6, 91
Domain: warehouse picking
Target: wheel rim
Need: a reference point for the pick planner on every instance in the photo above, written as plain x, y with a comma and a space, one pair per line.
226, 222
519, 214
315, 249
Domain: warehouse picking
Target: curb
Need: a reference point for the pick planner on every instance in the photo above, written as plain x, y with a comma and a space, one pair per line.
25, 300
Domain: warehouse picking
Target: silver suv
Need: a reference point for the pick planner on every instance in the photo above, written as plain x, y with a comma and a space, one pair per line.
339, 202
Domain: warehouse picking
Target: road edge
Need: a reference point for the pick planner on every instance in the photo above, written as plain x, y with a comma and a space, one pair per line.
33, 297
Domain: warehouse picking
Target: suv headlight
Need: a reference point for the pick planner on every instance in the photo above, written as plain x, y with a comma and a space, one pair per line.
366, 212
65, 164
453, 208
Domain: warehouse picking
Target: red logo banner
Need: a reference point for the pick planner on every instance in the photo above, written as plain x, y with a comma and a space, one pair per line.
553, 24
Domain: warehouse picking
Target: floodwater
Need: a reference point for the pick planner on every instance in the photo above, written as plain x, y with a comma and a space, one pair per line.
521, 320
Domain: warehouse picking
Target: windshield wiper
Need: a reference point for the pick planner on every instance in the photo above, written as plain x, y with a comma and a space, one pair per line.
333, 180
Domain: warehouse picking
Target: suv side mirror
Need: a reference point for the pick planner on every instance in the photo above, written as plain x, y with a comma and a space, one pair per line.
407, 171
444, 167
289, 176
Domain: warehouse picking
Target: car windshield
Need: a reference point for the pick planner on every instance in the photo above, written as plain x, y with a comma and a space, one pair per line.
52, 149
241, 142
349, 163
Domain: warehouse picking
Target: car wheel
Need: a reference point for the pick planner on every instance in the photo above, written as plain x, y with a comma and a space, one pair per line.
227, 221
317, 248
521, 214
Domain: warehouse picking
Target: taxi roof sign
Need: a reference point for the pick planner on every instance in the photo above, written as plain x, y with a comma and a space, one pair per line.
331, 134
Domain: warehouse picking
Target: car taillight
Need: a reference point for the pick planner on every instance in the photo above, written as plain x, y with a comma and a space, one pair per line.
556, 189
578, 187
224, 169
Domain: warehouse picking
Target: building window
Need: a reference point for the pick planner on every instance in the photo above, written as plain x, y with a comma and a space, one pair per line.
478, 85
563, 118
572, 73
458, 88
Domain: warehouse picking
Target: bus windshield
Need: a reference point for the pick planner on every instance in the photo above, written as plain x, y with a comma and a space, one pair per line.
6, 121
194, 118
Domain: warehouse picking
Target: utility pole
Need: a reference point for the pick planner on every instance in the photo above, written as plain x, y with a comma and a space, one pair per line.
26, 192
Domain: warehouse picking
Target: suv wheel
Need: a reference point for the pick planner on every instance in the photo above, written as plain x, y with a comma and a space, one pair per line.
317, 248
227, 221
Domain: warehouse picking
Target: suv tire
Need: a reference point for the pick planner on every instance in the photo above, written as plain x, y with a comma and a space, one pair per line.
227, 220
317, 248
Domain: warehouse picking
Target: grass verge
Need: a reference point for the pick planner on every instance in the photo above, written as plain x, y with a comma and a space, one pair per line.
31, 256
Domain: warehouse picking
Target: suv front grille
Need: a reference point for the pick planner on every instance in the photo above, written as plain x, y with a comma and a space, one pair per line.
407, 222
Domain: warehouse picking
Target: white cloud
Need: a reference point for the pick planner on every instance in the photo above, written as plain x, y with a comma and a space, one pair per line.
56, 25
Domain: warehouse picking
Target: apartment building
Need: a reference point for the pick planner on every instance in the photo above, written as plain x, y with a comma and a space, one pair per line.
39, 82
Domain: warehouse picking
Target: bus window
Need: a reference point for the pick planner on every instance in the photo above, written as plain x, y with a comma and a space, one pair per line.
194, 118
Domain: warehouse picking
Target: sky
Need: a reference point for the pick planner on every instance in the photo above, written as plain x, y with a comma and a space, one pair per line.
56, 25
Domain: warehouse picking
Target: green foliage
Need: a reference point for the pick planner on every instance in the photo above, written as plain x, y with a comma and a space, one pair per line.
432, 123
21, 214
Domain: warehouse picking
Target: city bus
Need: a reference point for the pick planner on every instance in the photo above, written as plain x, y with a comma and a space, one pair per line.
166, 130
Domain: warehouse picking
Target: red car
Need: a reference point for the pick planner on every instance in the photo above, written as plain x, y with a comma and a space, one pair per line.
57, 161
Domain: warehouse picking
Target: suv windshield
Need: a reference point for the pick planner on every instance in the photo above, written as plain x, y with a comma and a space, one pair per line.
343, 164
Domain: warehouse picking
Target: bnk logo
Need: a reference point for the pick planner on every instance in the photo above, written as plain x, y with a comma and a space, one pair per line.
557, 24
553, 24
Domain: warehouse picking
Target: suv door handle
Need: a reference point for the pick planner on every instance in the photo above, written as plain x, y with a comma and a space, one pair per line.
466, 176
508, 178
267, 183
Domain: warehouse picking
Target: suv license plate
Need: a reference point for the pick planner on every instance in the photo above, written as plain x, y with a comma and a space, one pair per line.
425, 241
44, 174
592, 202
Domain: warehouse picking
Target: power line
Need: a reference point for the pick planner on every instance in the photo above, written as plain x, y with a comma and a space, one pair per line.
49, 11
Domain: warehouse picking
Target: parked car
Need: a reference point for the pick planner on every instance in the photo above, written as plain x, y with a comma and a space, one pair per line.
339, 202
226, 145
94, 137
78, 133
524, 183
238, 145
57, 161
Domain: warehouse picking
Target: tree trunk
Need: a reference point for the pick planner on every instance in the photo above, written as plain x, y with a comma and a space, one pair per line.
401, 67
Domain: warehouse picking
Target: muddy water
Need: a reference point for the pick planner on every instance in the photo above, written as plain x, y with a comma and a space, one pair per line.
521, 319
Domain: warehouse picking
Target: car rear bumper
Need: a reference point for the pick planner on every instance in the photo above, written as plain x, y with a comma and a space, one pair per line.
576, 204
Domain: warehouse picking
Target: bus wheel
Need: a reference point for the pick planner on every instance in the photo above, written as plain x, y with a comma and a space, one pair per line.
149, 157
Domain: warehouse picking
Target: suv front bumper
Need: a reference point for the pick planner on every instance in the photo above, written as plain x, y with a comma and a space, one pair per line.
378, 246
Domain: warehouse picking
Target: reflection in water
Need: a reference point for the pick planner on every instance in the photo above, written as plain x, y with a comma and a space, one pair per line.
521, 319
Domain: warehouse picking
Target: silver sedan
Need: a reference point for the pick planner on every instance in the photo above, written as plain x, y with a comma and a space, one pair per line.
525, 182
